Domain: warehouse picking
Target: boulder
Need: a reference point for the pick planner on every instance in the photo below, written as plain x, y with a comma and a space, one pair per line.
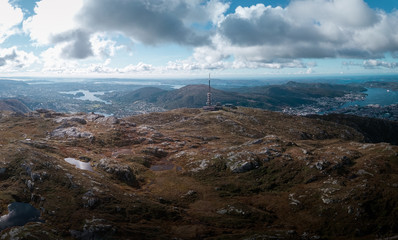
120, 171
72, 119
155, 151
89, 199
92, 117
72, 132
107, 120
242, 161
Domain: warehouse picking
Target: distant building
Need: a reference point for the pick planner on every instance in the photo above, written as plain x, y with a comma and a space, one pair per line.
230, 105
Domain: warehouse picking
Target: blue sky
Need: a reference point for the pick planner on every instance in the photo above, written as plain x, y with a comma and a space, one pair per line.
191, 38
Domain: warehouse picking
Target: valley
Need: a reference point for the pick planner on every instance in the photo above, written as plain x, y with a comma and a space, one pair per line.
125, 98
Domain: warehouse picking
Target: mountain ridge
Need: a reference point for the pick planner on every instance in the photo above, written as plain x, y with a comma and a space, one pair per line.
271, 97
13, 105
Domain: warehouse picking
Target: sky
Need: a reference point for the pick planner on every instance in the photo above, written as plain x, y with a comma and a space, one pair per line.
191, 38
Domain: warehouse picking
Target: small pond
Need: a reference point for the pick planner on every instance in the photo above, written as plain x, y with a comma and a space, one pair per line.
18, 215
79, 164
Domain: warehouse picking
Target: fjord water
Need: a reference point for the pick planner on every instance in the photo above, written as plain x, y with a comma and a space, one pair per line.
379, 96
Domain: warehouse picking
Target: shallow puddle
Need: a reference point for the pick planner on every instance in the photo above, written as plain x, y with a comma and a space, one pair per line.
162, 167
165, 166
79, 164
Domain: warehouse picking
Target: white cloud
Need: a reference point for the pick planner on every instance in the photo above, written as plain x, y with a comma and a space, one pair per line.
342, 13
103, 46
10, 17
309, 29
140, 68
14, 60
379, 64
53, 63
152, 21
52, 18
82, 35
80, 26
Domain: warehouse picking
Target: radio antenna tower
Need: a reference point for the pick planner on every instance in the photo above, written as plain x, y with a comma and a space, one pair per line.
208, 103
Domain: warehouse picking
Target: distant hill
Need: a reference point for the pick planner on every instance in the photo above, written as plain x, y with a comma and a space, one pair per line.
149, 94
13, 105
195, 96
4, 84
373, 129
272, 97
386, 85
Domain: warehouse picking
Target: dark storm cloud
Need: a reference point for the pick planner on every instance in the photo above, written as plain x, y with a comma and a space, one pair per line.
7, 57
270, 28
79, 45
150, 22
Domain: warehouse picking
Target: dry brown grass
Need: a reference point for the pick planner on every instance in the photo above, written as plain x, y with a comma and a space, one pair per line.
312, 176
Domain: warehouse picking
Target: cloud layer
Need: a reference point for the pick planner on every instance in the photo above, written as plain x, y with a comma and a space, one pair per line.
10, 17
150, 22
304, 29
310, 29
13, 60
258, 36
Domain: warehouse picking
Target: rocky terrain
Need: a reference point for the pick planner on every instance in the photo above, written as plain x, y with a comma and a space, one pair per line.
190, 174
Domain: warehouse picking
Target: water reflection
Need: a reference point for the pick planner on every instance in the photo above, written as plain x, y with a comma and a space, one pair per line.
18, 215
87, 95
379, 96
79, 164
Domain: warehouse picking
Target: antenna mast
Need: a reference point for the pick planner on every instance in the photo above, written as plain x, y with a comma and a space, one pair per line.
208, 103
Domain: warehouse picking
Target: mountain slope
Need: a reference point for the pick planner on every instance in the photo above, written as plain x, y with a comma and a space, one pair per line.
149, 94
192, 174
374, 130
13, 105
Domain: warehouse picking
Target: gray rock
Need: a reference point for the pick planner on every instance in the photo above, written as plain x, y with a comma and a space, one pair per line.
89, 199
107, 120
72, 132
254, 142
362, 172
30, 185
242, 162
232, 210
38, 144
80, 120
94, 229
72, 119
155, 151
92, 117
199, 165
35, 176
322, 164
120, 171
